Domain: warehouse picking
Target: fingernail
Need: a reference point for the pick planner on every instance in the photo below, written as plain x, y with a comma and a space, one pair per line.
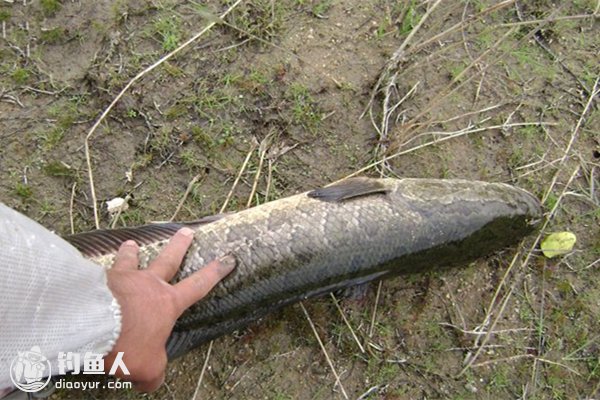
130, 243
186, 232
228, 262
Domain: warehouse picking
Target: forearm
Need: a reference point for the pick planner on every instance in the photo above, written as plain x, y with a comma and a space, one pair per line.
50, 296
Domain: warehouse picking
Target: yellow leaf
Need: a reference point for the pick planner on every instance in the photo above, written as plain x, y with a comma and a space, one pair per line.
558, 243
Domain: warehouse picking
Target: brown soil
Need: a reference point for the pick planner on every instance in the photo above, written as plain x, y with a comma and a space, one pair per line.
296, 76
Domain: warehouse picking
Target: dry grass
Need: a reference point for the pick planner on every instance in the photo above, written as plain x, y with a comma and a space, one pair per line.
501, 91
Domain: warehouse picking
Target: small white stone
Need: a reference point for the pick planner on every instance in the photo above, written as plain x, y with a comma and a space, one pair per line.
118, 204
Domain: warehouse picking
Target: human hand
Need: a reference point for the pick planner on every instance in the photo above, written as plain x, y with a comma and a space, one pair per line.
150, 305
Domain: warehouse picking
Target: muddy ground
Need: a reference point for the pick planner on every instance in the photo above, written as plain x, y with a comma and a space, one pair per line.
498, 91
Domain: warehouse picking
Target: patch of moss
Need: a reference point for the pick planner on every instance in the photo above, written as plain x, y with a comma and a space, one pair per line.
50, 7
58, 169
53, 36
20, 76
4, 15
23, 191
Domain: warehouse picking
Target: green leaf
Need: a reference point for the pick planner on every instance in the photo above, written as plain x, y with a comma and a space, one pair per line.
558, 243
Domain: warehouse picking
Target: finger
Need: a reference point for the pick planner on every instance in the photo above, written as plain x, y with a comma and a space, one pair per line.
197, 285
168, 261
127, 256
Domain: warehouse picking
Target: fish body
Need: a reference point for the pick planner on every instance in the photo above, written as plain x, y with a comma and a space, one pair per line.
312, 243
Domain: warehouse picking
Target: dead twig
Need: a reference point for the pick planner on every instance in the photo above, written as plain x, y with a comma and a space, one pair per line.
71, 202
337, 305
312, 326
189, 188
478, 332
544, 46
136, 78
374, 314
551, 19
398, 56
262, 152
574, 135
446, 136
238, 177
204, 366
471, 359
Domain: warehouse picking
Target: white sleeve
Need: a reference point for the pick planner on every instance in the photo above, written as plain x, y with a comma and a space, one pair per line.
50, 296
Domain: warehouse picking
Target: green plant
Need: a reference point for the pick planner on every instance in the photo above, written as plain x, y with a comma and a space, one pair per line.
208, 100
176, 111
190, 159
258, 77
529, 59
201, 137
227, 136
321, 8
132, 217
500, 378
229, 79
24, 191
172, 70
20, 76
550, 201
65, 114
169, 30
65, 121
142, 160
50, 7
160, 141
46, 208
304, 108
4, 15
456, 70
258, 18
119, 9
411, 18
278, 395
53, 36
516, 158
50, 138
57, 168
529, 132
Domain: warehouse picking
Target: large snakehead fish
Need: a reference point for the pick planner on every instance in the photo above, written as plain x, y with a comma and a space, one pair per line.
312, 243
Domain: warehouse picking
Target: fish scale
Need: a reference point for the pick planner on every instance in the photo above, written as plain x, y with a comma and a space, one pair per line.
331, 238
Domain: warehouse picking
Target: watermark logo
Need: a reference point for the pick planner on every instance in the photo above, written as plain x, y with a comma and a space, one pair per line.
93, 363
30, 370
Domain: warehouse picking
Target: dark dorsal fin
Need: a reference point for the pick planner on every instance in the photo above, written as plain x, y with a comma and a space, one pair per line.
104, 241
349, 189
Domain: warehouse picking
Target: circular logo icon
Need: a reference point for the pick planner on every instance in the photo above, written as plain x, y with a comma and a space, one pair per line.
30, 370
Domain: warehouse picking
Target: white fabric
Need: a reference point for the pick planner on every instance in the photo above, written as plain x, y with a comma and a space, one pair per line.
50, 296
